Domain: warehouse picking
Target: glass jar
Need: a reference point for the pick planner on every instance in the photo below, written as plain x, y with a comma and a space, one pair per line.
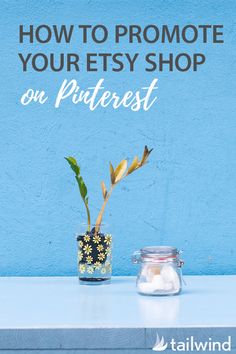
94, 257
160, 272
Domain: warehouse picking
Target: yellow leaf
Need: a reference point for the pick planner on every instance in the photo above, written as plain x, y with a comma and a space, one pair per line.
112, 174
120, 170
104, 190
133, 166
146, 153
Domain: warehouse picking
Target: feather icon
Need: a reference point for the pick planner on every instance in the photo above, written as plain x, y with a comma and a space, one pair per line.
160, 344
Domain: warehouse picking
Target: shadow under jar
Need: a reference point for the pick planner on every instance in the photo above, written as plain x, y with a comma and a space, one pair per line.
160, 272
94, 257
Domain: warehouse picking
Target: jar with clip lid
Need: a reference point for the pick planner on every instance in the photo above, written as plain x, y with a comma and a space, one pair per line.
160, 270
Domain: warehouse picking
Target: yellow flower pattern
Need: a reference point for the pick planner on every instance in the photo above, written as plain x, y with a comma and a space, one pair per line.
90, 270
100, 248
97, 265
108, 251
101, 256
86, 238
94, 255
82, 268
80, 255
108, 239
89, 259
87, 249
96, 239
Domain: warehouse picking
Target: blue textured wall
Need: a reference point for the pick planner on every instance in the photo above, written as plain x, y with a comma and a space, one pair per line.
185, 196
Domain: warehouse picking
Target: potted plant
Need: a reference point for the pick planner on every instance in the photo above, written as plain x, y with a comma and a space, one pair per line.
94, 246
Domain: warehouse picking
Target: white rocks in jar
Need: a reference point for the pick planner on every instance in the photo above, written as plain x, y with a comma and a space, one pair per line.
158, 282
149, 271
164, 279
146, 288
168, 286
170, 275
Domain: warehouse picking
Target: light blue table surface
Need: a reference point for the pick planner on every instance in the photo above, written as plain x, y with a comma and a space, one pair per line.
57, 312
61, 302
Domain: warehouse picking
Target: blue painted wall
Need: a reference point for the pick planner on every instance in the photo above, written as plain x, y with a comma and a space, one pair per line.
185, 196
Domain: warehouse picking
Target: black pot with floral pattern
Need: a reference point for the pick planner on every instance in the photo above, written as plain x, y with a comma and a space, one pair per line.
94, 257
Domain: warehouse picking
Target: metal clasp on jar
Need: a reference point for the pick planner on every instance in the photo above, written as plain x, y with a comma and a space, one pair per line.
136, 257
180, 261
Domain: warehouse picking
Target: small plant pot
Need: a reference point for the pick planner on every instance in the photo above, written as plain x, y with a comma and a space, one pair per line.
94, 258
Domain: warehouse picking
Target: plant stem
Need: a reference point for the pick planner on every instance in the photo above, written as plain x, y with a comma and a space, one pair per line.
88, 216
99, 218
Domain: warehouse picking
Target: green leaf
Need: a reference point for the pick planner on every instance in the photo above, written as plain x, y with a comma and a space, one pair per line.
73, 164
82, 186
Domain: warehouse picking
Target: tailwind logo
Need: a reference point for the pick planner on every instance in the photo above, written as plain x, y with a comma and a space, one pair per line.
160, 345
192, 345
